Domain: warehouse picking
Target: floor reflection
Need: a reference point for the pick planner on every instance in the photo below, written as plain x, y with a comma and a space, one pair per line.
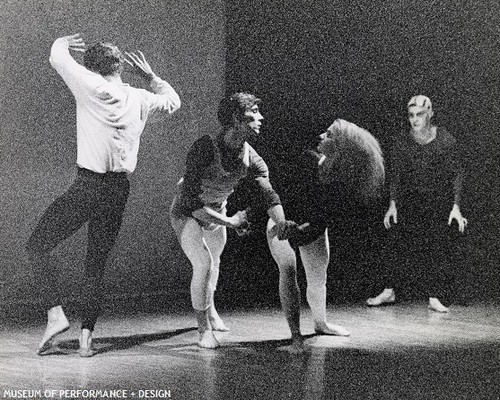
400, 352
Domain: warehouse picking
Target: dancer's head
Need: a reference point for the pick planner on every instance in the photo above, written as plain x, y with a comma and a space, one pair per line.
354, 157
104, 58
240, 114
420, 113
240, 107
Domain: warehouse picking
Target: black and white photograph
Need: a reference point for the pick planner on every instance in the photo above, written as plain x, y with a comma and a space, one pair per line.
270, 199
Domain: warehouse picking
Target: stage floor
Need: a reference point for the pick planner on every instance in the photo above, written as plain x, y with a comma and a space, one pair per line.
397, 352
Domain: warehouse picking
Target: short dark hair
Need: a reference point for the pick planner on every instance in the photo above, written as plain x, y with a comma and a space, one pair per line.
235, 104
104, 58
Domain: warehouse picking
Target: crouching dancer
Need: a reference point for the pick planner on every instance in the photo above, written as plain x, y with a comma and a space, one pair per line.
214, 166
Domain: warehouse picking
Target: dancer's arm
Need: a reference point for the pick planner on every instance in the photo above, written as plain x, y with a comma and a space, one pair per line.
206, 214
81, 81
259, 170
457, 167
199, 158
164, 98
392, 211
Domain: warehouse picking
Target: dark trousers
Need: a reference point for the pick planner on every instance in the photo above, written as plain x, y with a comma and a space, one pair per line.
98, 199
420, 245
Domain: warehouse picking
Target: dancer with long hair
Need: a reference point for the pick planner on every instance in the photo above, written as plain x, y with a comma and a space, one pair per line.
347, 162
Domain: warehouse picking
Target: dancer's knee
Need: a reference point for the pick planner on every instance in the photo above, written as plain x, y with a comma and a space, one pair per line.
316, 278
200, 296
199, 303
288, 272
202, 272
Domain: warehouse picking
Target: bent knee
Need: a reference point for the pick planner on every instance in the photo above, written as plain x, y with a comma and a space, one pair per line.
288, 269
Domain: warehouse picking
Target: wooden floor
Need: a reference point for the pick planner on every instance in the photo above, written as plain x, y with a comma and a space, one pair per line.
398, 352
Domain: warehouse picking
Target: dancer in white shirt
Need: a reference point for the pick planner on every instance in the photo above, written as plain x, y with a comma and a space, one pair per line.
110, 118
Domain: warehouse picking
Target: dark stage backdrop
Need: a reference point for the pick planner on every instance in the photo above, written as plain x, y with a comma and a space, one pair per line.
184, 43
310, 61
314, 61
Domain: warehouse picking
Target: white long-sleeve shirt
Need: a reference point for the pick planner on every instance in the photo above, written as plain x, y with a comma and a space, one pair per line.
110, 116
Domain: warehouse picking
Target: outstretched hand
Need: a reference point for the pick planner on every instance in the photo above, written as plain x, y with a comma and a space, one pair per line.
244, 227
140, 65
75, 42
285, 230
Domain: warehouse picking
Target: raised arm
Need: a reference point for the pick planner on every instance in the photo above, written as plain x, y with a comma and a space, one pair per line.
78, 78
165, 98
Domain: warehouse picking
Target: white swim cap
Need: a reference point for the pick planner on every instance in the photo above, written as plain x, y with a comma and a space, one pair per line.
420, 101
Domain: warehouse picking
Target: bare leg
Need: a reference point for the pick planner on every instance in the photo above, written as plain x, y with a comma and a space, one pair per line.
215, 240
192, 242
86, 349
57, 323
315, 257
207, 338
289, 290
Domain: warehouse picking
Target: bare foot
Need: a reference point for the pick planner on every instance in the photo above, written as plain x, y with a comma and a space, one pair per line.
218, 324
86, 349
386, 297
216, 320
324, 328
57, 323
436, 305
208, 340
